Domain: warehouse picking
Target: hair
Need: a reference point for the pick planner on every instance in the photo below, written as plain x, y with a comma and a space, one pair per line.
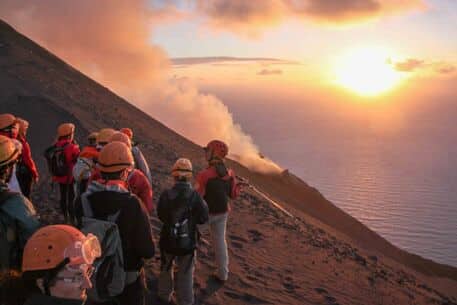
111, 176
15, 289
67, 137
182, 178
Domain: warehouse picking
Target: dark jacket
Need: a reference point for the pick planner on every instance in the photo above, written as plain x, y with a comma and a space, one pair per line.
133, 222
167, 205
18, 214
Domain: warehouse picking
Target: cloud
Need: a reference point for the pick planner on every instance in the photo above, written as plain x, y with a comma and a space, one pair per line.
269, 72
107, 40
252, 17
414, 64
110, 41
409, 65
446, 69
226, 59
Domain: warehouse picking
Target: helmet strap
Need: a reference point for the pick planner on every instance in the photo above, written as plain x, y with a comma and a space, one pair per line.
51, 274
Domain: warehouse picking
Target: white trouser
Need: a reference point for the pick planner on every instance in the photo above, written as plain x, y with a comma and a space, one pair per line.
218, 225
184, 278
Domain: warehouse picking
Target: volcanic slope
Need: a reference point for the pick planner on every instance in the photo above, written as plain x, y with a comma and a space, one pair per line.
320, 255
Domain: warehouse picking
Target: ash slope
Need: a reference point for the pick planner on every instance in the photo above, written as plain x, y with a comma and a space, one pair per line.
320, 256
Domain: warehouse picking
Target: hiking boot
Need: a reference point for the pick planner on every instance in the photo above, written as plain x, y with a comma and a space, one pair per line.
217, 279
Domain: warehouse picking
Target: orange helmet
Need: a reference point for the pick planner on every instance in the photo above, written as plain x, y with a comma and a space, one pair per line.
65, 129
114, 157
92, 136
8, 151
121, 137
217, 148
7, 120
128, 132
105, 135
48, 247
182, 168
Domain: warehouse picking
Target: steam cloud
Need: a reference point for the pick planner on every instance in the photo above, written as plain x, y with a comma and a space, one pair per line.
110, 41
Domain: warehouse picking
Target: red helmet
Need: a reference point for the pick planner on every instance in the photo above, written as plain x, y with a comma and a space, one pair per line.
217, 148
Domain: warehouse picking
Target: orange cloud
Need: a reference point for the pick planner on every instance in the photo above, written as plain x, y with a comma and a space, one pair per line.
414, 64
446, 69
269, 72
110, 41
409, 65
251, 17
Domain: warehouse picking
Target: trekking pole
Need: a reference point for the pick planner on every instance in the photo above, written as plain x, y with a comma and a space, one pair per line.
278, 206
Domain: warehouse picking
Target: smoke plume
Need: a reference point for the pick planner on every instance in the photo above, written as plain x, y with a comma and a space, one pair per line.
110, 41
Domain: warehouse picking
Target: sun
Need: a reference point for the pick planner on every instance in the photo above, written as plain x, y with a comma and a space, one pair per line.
366, 71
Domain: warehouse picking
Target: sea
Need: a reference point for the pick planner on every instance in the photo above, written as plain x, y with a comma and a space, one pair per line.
394, 169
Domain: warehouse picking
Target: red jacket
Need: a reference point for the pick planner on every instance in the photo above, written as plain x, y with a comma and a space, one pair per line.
89, 152
138, 184
27, 157
216, 204
71, 152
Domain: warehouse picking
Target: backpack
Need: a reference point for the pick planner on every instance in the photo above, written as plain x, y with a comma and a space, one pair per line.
218, 189
179, 234
109, 277
82, 169
57, 163
9, 249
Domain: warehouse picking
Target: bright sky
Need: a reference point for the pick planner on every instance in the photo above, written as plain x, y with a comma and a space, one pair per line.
425, 32
165, 55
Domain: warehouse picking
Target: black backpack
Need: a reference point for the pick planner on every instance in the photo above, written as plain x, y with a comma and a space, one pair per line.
218, 189
179, 233
57, 163
9, 249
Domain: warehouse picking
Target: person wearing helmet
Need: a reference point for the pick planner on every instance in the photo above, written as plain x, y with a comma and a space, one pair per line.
180, 209
217, 185
110, 195
26, 170
103, 137
9, 127
140, 160
85, 163
70, 149
137, 182
90, 150
18, 219
56, 268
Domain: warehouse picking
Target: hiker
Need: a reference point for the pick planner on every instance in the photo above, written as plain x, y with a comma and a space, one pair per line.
26, 171
140, 161
103, 137
137, 182
61, 158
9, 127
180, 209
56, 268
217, 185
108, 199
85, 164
18, 218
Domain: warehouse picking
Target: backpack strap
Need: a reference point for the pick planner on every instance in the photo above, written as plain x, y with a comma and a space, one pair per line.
113, 217
87, 209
